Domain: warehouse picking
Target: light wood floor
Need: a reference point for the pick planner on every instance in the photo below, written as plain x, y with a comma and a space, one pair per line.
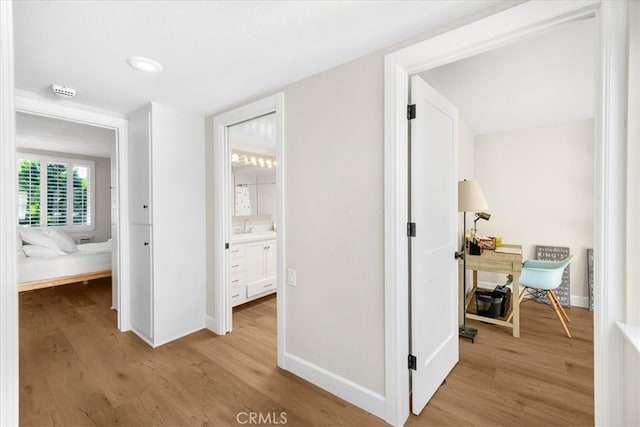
77, 369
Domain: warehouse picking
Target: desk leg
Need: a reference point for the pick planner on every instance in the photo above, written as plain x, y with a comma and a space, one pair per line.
515, 297
461, 294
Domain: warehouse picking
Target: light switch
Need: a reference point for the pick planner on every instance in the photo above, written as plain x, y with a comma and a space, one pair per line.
291, 277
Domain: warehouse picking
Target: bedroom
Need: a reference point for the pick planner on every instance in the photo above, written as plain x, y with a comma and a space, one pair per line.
64, 213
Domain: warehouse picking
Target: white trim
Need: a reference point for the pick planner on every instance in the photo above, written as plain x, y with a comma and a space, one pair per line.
521, 21
211, 323
343, 388
8, 283
610, 214
632, 333
120, 127
222, 211
579, 301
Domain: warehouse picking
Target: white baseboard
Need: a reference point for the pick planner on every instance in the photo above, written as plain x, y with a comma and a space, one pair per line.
578, 301
211, 323
345, 389
143, 337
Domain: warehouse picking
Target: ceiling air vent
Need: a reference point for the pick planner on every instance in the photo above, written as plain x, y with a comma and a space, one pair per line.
63, 91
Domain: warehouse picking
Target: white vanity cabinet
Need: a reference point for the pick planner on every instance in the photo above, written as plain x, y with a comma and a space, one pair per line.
166, 166
253, 268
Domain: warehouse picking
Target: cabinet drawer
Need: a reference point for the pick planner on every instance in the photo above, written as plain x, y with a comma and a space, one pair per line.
238, 251
237, 266
238, 279
238, 294
261, 287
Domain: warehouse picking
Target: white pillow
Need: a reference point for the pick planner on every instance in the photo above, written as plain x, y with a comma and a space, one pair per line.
35, 250
62, 240
35, 236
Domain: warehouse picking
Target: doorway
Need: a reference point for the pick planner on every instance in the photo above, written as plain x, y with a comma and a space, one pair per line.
480, 36
76, 206
252, 196
117, 194
253, 216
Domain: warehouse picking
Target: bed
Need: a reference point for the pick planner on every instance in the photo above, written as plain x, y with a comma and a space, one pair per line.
55, 260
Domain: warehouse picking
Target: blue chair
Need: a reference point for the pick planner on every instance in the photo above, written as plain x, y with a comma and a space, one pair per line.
539, 278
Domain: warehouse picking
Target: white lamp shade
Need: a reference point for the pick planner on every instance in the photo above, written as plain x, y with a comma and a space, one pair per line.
470, 197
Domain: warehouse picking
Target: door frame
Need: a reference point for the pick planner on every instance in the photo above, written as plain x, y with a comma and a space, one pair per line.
24, 104
521, 21
9, 342
219, 320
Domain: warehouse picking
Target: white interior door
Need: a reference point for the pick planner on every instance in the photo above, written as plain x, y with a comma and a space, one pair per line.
434, 287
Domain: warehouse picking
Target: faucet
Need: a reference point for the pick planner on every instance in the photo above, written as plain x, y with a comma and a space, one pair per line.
246, 226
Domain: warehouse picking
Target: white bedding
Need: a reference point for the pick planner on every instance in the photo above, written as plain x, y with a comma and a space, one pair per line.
91, 257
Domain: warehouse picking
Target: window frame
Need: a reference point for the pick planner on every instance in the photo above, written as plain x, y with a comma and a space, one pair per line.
70, 162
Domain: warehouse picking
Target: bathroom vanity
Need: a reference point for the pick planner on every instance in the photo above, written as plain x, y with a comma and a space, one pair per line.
253, 266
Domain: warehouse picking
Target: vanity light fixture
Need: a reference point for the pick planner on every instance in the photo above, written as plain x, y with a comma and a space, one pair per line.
145, 64
248, 159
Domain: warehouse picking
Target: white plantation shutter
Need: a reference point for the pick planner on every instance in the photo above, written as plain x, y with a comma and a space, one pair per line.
82, 188
60, 194
57, 194
29, 203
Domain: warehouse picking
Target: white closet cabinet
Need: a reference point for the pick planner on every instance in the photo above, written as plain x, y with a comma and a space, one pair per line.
167, 223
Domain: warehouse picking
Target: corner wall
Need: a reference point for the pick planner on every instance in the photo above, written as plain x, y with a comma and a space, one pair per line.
539, 184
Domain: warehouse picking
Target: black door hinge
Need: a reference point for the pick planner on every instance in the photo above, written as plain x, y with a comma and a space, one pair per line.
226, 245
411, 111
411, 229
413, 363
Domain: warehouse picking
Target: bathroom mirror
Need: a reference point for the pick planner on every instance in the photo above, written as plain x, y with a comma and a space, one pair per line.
254, 190
253, 162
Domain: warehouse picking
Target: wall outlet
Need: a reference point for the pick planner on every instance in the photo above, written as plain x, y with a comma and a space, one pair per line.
291, 277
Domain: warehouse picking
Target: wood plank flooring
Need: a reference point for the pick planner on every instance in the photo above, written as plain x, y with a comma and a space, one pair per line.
542, 378
77, 369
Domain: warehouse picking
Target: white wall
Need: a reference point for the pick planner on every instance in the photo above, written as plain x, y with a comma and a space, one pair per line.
334, 154
540, 190
335, 220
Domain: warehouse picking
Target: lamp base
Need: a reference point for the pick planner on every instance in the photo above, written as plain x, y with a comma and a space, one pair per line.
467, 332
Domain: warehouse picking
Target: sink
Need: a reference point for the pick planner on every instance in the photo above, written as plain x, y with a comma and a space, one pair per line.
255, 235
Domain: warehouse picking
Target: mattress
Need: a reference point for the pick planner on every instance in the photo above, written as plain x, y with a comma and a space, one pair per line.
91, 257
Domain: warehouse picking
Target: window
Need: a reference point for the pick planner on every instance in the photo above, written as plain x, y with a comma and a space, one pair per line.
55, 191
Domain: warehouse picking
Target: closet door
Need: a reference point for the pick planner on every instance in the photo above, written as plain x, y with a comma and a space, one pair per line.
140, 167
141, 281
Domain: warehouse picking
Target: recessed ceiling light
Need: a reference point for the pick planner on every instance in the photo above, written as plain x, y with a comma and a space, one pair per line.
145, 64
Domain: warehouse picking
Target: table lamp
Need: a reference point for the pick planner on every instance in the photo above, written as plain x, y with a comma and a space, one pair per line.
470, 199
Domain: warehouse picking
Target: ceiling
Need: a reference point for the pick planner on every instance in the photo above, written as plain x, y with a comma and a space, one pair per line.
257, 135
215, 54
44, 133
545, 80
